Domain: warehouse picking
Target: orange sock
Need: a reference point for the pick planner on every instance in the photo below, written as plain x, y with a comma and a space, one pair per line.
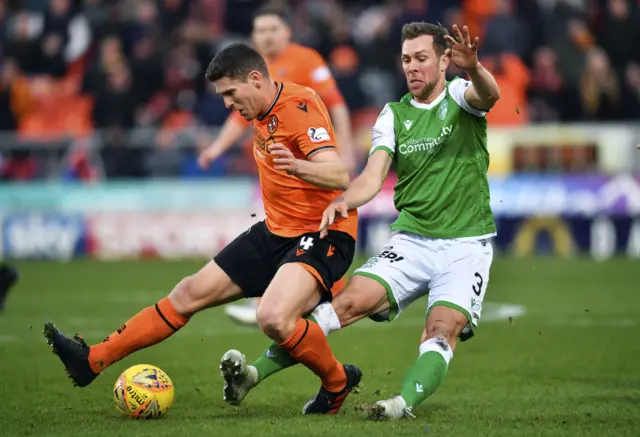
148, 327
309, 346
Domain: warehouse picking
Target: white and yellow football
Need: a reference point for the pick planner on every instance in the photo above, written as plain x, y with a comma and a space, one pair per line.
143, 392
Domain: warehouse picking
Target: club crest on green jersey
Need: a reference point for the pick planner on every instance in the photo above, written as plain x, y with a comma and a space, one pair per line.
442, 109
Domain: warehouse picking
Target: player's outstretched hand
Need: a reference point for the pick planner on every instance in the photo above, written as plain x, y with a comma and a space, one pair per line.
283, 158
338, 206
464, 52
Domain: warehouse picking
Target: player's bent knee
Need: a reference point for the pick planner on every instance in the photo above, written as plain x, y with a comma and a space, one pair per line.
273, 323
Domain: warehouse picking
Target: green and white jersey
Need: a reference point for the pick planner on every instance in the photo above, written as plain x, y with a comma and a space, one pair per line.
439, 151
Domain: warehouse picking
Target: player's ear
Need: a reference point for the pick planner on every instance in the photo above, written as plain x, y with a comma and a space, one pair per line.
255, 78
444, 60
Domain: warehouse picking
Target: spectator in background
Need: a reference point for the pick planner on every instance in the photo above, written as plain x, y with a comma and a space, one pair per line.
15, 95
620, 34
504, 33
110, 55
99, 14
118, 159
600, 92
568, 35
546, 87
115, 104
142, 20
513, 78
631, 96
65, 36
239, 16
22, 42
147, 66
164, 160
173, 14
204, 24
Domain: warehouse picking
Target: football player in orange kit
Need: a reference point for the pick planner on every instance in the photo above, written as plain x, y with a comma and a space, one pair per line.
289, 265
287, 62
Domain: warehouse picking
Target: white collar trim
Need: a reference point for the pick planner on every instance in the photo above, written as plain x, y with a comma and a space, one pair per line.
429, 105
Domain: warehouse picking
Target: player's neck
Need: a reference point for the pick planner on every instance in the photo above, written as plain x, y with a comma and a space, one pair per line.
270, 94
434, 94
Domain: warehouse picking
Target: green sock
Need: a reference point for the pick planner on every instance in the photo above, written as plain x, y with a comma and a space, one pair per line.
424, 377
274, 359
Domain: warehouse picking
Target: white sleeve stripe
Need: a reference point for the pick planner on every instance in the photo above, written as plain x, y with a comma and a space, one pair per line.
457, 89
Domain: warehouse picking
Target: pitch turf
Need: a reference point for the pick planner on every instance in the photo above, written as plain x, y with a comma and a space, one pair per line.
568, 367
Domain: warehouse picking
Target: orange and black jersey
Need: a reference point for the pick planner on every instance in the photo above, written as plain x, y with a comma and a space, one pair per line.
298, 119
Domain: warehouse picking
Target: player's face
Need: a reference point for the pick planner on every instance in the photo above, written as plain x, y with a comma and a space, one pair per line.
422, 66
270, 35
242, 96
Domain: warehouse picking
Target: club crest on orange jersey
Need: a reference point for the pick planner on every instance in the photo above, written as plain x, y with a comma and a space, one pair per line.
272, 124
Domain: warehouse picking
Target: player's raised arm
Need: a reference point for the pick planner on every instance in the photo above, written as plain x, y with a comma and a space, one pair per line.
484, 91
366, 186
383, 147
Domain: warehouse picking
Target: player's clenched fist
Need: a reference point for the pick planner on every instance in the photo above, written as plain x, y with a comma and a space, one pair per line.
338, 206
283, 159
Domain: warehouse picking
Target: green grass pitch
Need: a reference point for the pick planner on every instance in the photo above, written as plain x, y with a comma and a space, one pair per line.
570, 366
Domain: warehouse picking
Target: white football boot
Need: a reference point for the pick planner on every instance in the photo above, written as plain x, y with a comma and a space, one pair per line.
239, 378
389, 409
245, 313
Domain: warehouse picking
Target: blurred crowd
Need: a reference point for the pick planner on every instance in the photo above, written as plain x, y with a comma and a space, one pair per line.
132, 70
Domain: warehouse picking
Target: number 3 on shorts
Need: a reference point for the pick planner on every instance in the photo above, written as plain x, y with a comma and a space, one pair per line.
477, 288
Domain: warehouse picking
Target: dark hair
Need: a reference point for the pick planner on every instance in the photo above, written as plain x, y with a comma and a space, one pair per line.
236, 61
282, 13
420, 28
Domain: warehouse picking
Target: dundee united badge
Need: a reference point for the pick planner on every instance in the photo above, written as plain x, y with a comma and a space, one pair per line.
272, 124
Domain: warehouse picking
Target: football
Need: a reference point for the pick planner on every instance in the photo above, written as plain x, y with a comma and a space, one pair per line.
143, 392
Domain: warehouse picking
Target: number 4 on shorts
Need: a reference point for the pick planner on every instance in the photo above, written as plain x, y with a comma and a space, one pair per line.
306, 242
